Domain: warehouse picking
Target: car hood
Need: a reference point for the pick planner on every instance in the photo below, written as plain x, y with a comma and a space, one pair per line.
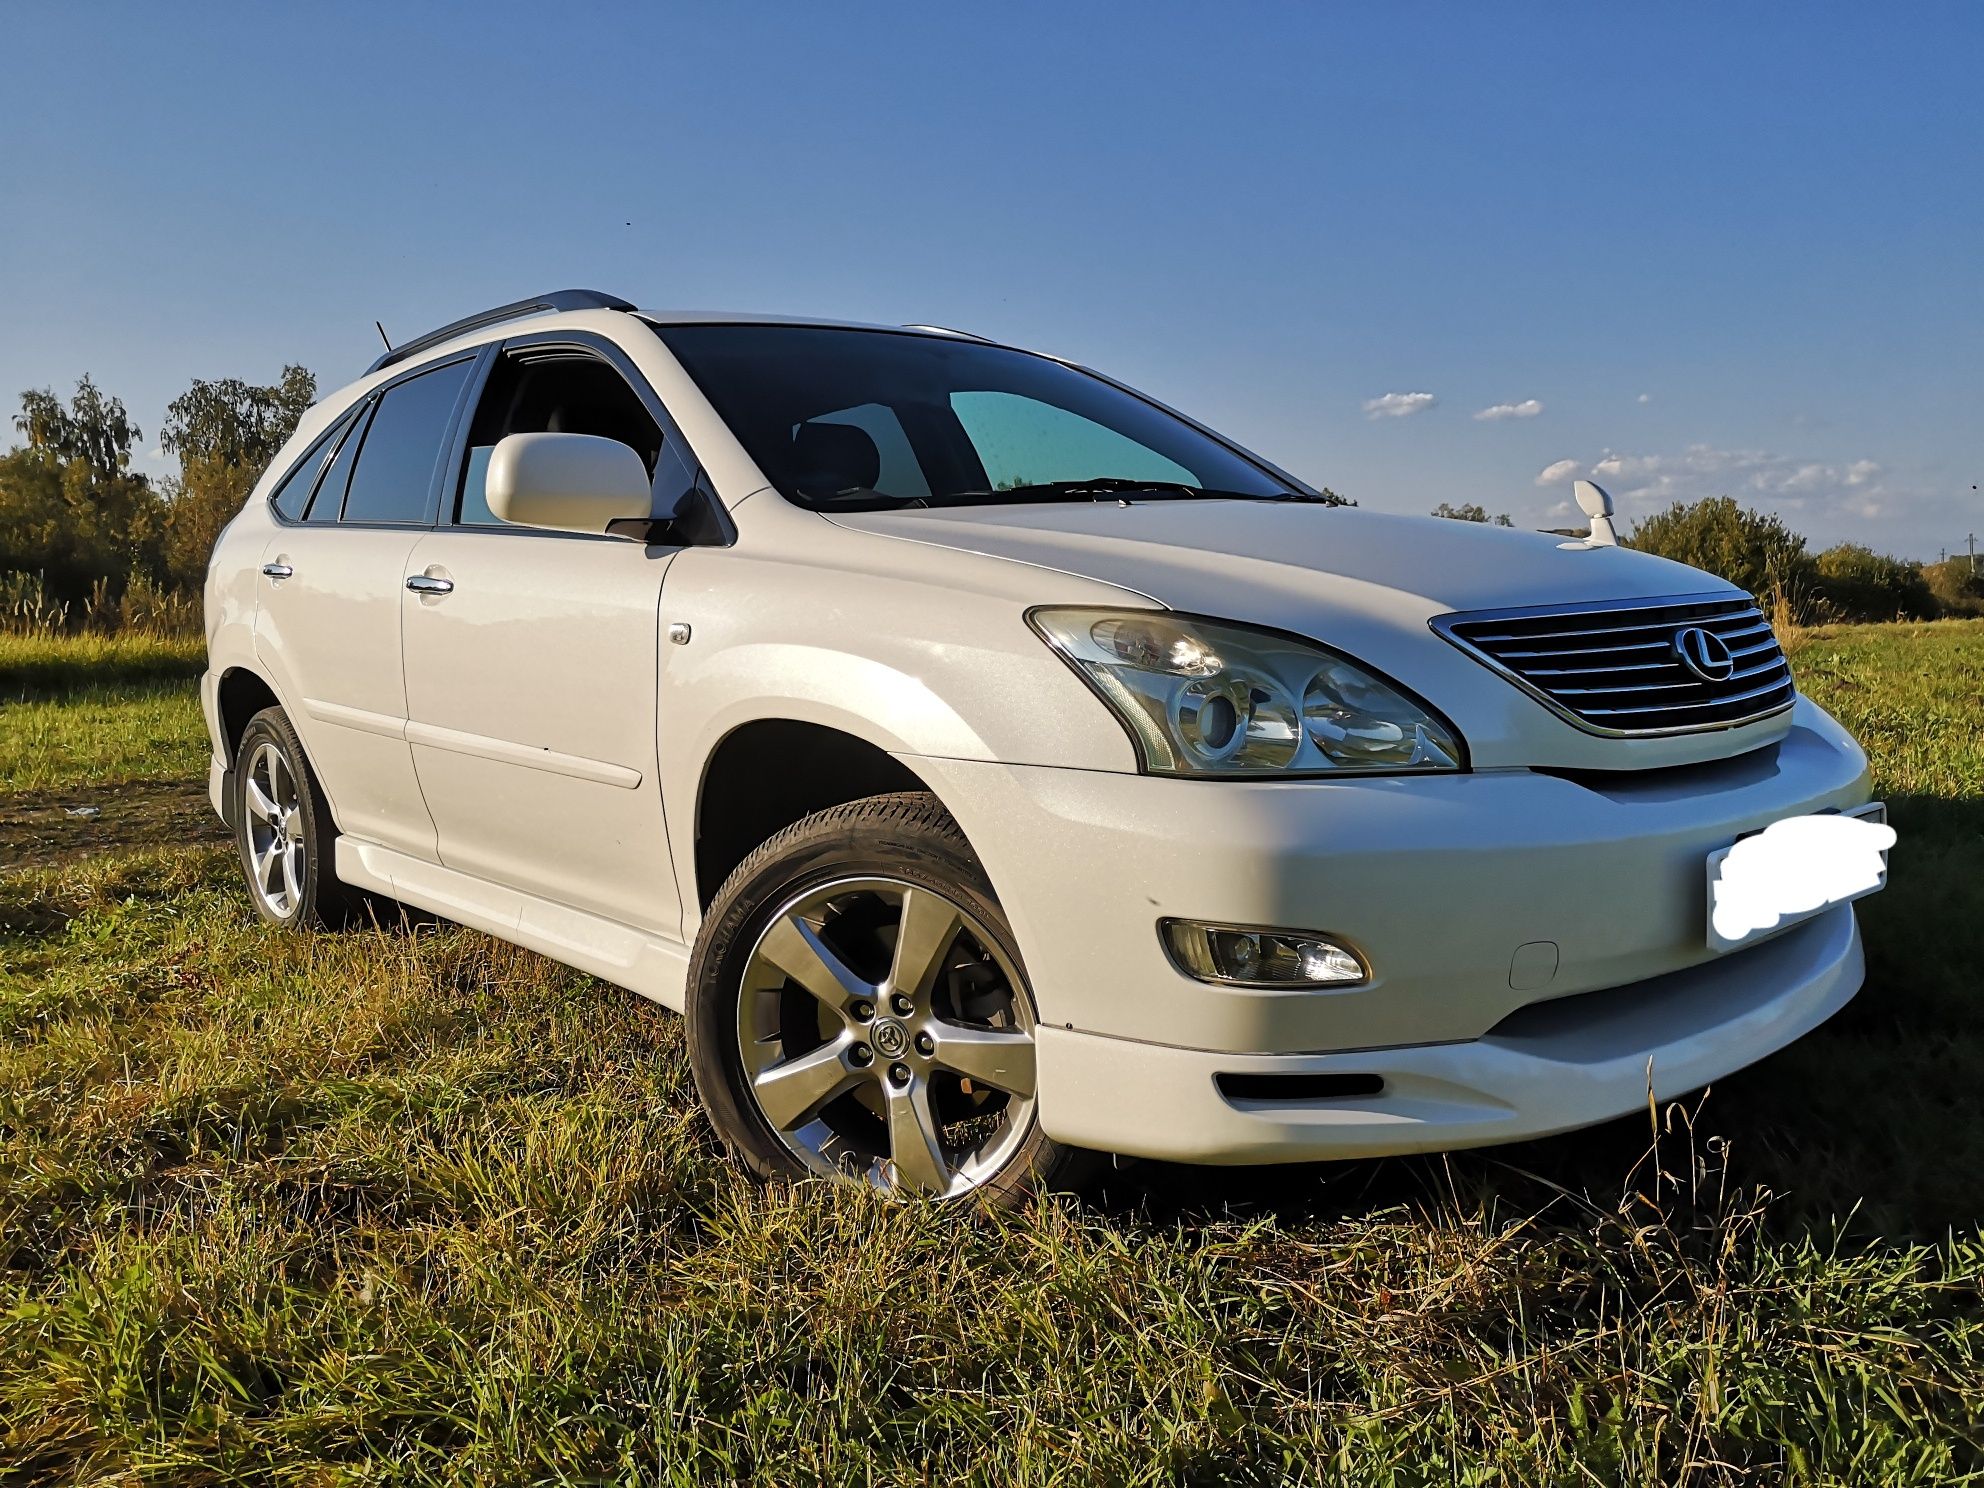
1363, 582
1201, 555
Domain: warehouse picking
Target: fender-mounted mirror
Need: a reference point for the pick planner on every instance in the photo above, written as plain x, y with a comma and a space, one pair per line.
1596, 504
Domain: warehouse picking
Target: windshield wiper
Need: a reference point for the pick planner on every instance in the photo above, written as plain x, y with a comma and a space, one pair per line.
1106, 487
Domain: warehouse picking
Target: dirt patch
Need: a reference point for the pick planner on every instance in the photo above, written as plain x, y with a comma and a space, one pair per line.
45, 828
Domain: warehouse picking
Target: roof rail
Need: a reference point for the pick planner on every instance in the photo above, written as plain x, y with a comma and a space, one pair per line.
558, 299
946, 330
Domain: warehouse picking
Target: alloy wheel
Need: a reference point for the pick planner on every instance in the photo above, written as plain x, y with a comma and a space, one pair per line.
886, 1037
273, 800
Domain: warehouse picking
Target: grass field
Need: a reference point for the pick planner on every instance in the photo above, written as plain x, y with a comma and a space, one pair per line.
414, 1206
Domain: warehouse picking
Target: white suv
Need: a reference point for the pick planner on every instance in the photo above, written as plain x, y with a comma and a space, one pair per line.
998, 767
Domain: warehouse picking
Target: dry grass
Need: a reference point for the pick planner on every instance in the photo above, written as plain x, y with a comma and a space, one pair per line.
414, 1206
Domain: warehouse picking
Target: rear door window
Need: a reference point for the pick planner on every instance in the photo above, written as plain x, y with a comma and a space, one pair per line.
394, 477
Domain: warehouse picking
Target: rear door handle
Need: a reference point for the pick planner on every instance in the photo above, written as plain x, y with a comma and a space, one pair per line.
428, 584
277, 570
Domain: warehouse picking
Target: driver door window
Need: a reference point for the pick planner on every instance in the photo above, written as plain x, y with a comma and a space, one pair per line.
557, 394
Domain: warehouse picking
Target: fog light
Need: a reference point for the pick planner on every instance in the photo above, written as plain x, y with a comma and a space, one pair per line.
1236, 956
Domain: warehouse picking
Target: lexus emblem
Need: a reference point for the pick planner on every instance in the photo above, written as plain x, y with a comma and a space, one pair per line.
1705, 654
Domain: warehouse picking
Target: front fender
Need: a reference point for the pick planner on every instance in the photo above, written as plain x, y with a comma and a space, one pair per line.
895, 662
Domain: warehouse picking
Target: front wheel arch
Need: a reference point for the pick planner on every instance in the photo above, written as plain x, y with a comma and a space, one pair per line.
771, 772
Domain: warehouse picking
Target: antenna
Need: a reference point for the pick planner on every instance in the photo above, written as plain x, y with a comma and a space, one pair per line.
382, 335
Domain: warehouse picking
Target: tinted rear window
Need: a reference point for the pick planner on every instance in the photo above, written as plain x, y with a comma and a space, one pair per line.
293, 495
395, 474
330, 490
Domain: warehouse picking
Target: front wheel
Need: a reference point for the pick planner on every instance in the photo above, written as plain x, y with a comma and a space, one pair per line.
858, 1009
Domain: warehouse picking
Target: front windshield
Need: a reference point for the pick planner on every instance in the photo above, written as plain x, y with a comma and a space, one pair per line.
856, 420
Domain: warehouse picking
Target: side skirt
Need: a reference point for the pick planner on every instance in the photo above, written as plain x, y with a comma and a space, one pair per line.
643, 963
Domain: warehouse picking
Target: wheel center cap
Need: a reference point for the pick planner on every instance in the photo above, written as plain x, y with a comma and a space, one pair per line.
890, 1038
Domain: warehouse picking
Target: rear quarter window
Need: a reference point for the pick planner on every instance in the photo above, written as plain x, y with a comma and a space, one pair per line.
292, 497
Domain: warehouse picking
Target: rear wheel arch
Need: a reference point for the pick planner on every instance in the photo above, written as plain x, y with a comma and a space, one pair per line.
240, 696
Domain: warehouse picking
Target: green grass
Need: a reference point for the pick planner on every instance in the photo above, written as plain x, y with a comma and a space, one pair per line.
96, 710
415, 1206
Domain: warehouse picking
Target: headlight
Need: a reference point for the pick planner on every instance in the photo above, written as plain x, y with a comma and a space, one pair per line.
1202, 697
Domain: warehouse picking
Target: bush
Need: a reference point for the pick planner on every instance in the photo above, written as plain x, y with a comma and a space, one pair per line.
1958, 585
1753, 550
1856, 583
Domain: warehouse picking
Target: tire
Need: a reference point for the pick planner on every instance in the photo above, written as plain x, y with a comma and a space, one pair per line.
296, 886
806, 1061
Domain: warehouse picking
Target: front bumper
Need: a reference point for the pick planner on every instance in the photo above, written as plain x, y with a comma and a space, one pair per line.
1478, 900
1446, 885
1552, 1067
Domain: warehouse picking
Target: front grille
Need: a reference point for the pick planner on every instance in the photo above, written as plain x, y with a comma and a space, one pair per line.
1615, 668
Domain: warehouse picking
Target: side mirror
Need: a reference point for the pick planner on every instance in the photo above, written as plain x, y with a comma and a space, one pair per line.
567, 482
1596, 504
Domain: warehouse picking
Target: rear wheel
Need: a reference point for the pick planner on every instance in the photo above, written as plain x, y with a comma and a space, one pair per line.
283, 830
858, 1009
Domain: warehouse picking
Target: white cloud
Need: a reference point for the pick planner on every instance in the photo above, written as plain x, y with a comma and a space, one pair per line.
1527, 409
1902, 509
1763, 478
1398, 405
1644, 398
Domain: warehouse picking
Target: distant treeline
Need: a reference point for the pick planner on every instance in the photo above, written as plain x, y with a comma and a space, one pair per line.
88, 542
1757, 552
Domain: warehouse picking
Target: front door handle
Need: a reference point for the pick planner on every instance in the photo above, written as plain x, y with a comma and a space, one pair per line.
428, 584
277, 570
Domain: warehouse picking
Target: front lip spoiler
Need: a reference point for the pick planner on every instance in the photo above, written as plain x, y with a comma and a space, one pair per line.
1442, 626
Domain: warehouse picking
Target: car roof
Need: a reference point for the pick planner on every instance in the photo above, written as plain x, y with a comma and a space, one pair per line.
741, 317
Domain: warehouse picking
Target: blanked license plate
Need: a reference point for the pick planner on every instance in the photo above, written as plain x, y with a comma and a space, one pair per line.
1795, 869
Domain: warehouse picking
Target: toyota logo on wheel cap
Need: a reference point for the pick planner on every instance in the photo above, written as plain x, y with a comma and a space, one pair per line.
1704, 653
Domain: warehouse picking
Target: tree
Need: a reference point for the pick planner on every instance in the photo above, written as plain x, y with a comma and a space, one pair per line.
1472, 513
1753, 550
225, 433
71, 508
92, 428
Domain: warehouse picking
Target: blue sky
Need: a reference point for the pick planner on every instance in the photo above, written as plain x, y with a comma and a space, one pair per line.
1693, 249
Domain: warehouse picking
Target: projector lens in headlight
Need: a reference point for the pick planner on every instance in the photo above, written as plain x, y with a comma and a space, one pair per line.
1204, 697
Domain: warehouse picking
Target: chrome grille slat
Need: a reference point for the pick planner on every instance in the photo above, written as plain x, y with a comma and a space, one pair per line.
1631, 687
1586, 671
1755, 692
1615, 624
1585, 651
1635, 687
1660, 643
1613, 669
